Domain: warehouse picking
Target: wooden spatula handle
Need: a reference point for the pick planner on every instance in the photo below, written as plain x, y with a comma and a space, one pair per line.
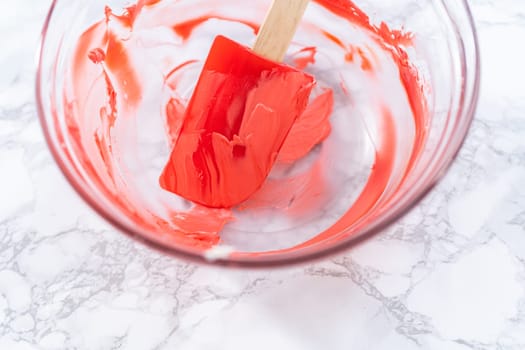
279, 27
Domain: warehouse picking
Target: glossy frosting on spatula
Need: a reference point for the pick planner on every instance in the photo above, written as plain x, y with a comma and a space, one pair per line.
242, 109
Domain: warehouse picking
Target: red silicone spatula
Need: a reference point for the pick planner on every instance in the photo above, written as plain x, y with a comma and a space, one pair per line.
241, 111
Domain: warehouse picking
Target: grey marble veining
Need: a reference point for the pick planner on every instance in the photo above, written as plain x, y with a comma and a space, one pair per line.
450, 275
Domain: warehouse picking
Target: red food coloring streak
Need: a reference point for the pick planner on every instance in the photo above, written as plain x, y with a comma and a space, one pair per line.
97, 56
304, 57
365, 62
112, 103
185, 29
118, 62
334, 39
351, 51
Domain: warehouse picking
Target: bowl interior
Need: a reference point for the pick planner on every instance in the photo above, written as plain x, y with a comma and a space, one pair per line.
396, 88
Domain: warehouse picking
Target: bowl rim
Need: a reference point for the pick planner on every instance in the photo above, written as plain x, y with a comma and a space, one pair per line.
270, 261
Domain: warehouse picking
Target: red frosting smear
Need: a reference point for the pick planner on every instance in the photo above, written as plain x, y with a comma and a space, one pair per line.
351, 51
347, 9
199, 233
238, 118
185, 229
310, 129
185, 29
131, 13
304, 57
97, 55
118, 63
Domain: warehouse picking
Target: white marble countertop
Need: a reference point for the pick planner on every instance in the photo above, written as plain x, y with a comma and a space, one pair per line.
451, 275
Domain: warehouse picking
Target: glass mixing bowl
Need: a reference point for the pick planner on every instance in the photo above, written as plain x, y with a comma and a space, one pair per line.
403, 80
